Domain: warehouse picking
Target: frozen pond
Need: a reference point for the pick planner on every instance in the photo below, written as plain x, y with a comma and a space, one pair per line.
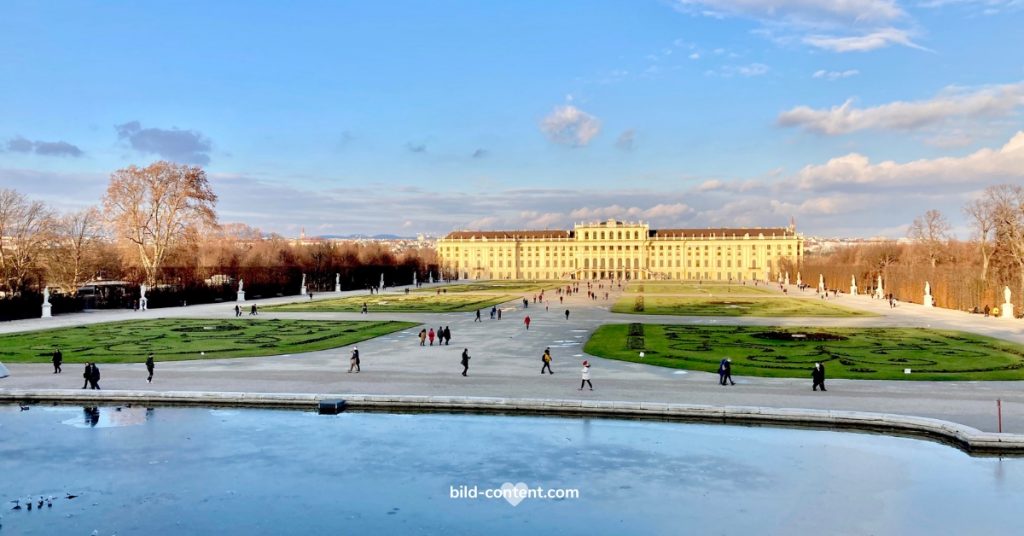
245, 472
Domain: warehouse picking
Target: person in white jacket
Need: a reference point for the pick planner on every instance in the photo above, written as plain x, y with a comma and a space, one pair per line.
586, 376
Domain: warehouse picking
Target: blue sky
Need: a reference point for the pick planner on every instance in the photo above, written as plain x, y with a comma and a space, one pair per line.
406, 117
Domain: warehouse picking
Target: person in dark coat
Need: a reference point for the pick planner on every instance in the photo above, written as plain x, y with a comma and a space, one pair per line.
447, 335
818, 376
94, 377
465, 361
721, 372
727, 372
149, 368
354, 360
58, 359
87, 373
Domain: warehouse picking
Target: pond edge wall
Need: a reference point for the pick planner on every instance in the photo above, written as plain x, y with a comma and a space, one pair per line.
971, 440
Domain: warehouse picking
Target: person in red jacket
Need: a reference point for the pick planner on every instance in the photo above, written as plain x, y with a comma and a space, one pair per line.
527, 321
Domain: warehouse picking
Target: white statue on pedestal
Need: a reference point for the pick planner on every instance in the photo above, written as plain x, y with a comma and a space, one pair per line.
430, 276
879, 290
821, 283
929, 301
799, 282
302, 286
787, 279
143, 300
381, 282
1006, 310
337, 282
853, 285
46, 303
241, 290
414, 279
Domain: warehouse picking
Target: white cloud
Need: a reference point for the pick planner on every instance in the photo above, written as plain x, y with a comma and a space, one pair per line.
695, 56
856, 170
660, 211
747, 71
952, 103
880, 38
834, 75
799, 11
568, 125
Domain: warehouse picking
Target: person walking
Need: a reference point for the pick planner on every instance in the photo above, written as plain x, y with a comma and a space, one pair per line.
721, 372
465, 361
149, 368
567, 314
238, 310
423, 337
354, 360
364, 310
499, 314
527, 321
58, 359
431, 335
87, 373
94, 377
818, 377
546, 358
477, 319
447, 335
252, 310
727, 371
585, 375
494, 311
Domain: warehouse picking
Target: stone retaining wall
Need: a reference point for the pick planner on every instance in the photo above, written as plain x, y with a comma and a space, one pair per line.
966, 438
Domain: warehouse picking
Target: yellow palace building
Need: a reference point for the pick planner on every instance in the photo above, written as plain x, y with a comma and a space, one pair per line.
622, 250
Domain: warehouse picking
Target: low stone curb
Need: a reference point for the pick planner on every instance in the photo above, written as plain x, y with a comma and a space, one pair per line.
969, 439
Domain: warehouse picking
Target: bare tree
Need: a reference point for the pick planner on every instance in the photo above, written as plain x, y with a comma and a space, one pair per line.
980, 212
1008, 214
155, 208
931, 231
24, 233
73, 257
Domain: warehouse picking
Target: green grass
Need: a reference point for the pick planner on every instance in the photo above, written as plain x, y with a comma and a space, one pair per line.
496, 286
859, 353
414, 302
692, 287
180, 339
731, 306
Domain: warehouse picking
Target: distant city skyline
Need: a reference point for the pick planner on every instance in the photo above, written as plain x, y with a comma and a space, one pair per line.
409, 117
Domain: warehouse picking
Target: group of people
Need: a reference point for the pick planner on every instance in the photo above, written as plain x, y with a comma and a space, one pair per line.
725, 374
91, 374
443, 335
253, 311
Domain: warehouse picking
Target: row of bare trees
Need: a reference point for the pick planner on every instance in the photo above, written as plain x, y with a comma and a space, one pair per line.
964, 274
158, 225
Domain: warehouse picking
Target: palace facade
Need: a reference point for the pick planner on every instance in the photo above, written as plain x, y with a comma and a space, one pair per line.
622, 250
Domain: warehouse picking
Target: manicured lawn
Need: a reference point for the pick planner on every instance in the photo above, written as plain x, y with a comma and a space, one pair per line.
414, 302
731, 306
496, 286
693, 287
859, 353
179, 339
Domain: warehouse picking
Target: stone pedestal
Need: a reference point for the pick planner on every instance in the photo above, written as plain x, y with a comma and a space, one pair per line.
929, 301
853, 290
46, 310
337, 288
241, 296
1006, 310
143, 303
302, 290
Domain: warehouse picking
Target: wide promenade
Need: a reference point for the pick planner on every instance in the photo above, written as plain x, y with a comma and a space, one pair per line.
506, 362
